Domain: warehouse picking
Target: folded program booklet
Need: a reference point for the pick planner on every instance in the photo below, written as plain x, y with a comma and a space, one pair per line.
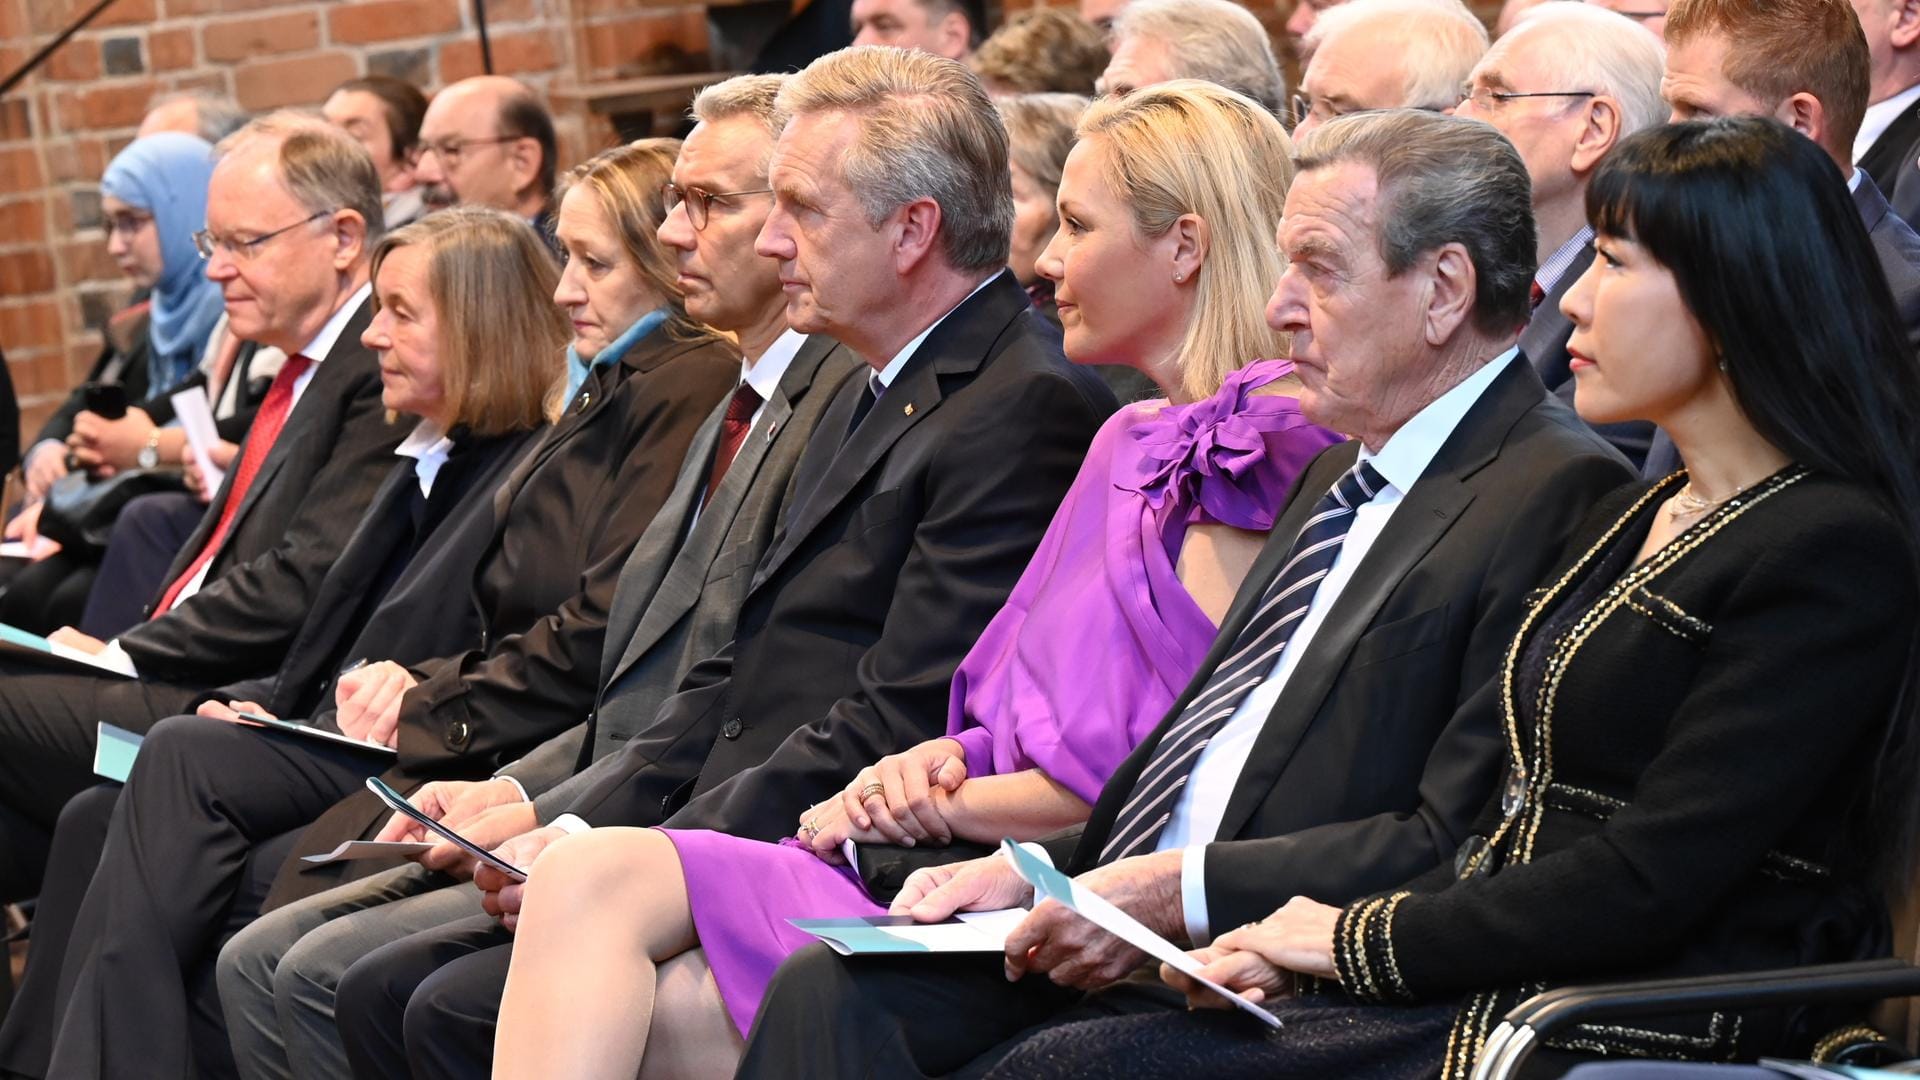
295, 727
970, 931
32, 647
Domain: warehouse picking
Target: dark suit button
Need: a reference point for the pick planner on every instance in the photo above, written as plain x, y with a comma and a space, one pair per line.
459, 734
730, 729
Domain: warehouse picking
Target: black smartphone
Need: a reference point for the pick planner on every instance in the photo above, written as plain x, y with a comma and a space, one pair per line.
107, 400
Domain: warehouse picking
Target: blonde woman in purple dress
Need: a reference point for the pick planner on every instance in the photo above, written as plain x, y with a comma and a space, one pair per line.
645, 951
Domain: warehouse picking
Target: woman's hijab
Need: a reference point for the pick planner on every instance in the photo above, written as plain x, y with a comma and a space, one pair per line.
166, 175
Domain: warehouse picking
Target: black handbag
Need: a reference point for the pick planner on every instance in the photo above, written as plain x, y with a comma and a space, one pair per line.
80, 511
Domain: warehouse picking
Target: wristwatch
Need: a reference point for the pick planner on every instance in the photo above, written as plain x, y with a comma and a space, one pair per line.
149, 455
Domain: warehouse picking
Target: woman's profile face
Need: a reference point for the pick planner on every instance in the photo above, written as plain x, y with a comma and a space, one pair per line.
1118, 301
601, 289
1034, 219
404, 332
133, 240
1637, 353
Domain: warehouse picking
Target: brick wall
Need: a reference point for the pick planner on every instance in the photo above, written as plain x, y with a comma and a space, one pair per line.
59, 129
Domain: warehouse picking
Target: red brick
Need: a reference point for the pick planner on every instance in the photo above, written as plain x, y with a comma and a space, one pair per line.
16, 119
390, 20
509, 11
63, 162
170, 50
13, 21
118, 106
305, 80
23, 272
23, 221
20, 170
126, 13
31, 325
76, 61
645, 43
268, 35
93, 159
513, 54
87, 260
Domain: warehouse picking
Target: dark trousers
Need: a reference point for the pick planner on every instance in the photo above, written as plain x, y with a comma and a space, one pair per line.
825, 1015
209, 813
48, 726
147, 535
426, 1005
43, 596
26, 1038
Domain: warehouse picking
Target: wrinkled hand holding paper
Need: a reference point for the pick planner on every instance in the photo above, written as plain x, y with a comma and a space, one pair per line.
1050, 884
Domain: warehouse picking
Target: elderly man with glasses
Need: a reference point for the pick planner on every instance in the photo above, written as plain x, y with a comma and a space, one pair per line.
488, 141
1564, 85
291, 259
1387, 54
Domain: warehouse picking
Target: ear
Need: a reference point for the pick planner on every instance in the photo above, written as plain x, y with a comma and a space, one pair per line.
1453, 284
524, 159
956, 36
916, 228
1803, 113
1191, 238
1598, 134
1906, 23
349, 238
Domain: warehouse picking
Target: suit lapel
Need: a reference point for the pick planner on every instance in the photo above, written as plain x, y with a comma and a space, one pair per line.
1424, 515
1544, 341
1893, 150
957, 346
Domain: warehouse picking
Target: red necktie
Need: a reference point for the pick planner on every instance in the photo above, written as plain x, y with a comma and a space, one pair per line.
733, 432
260, 436
1536, 297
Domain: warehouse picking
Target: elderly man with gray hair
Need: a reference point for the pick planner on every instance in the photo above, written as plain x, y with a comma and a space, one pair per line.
923, 492
1566, 84
1340, 735
1156, 41
1387, 54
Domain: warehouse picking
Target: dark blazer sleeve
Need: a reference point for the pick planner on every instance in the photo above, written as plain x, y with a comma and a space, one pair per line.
1772, 713
243, 620
9, 422
992, 489
1247, 879
500, 701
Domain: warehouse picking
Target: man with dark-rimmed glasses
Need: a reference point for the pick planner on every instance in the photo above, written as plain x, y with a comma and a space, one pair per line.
1564, 85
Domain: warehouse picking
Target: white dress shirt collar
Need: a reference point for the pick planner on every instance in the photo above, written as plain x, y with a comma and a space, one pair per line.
765, 374
891, 370
428, 446
1880, 116
1406, 455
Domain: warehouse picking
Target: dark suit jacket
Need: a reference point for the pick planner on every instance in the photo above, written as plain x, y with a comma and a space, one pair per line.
1704, 757
1544, 342
330, 458
1898, 249
1894, 163
536, 572
1385, 742
679, 595
902, 544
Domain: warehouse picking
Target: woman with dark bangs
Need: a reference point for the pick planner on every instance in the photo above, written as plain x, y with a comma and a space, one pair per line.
1708, 710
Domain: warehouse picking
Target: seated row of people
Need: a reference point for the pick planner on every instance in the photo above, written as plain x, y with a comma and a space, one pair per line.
1316, 713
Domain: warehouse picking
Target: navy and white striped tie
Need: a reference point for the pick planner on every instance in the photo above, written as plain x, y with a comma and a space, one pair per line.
1138, 825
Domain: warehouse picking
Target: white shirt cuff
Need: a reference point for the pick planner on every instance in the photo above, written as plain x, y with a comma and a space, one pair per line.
572, 823
521, 788
1193, 894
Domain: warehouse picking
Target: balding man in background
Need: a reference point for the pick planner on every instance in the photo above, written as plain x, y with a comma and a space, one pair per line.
1888, 142
1156, 41
1566, 84
1387, 54
488, 141
193, 112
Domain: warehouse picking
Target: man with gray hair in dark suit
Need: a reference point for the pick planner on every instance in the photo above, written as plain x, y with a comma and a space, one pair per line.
677, 602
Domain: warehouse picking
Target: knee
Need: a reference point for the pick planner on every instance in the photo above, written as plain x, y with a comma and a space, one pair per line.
372, 994
185, 744
87, 814
451, 1016
601, 868
248, 962
310, 971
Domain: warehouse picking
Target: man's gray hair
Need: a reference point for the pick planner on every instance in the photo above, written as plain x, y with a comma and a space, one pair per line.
323, 167
927, 130
1442, 180
743, 95
1216, 41
1602, 51
1438, 41
218, 115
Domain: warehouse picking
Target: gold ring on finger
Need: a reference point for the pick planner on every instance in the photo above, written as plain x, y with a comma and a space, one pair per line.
871, 790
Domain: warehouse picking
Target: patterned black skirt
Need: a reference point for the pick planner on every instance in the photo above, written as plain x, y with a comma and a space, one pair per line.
1321, 1038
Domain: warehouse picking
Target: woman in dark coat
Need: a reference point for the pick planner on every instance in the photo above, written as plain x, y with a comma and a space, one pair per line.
1708, 712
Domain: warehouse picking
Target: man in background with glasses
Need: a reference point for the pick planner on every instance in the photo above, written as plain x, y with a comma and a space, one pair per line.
488, 141
1387, 54
1566, 84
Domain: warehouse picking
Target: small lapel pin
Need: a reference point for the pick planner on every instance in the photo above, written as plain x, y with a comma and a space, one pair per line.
771, 428
909, 409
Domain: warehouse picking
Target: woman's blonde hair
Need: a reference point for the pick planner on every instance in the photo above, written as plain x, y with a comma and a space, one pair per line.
1190, 147
501, 342
629, 182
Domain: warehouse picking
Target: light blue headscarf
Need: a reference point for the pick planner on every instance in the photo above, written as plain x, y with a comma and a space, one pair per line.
166, 175
578, 367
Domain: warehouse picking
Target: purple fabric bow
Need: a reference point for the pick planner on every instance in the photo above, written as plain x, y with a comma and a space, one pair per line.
1204, 453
